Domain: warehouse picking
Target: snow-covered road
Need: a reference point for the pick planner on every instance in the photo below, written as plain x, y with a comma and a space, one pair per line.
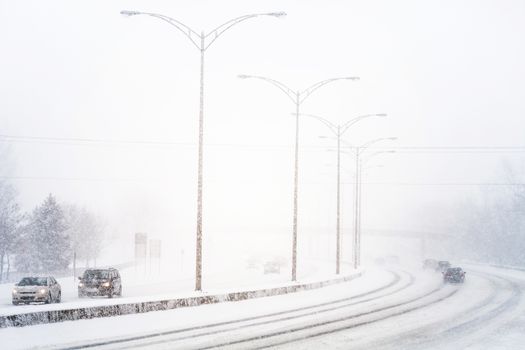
391, 308
169, 285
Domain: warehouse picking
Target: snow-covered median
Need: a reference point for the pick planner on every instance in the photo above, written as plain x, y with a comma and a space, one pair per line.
126, 307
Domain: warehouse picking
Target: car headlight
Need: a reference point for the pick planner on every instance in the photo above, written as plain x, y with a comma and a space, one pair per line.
15, 291
105, 284
42, 291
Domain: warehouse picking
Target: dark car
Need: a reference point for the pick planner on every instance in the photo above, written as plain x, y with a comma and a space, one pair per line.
443, 265
37, 290
100, 282
454, 275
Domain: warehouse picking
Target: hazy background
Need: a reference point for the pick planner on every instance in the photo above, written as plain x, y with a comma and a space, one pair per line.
448, 73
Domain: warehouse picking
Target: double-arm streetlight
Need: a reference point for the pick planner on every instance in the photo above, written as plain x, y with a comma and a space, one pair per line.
297, 97
338, 130
357, 207
202, 42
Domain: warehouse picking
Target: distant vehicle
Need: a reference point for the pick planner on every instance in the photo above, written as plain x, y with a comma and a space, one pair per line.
443, 265
100, 282
454, 275
37, 290
272, 267
430, 264
253, 263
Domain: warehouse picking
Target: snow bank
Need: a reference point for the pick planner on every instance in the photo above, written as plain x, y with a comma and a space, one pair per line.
53, 316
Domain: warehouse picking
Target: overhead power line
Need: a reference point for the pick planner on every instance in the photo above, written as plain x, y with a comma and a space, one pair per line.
401, 149
156, 180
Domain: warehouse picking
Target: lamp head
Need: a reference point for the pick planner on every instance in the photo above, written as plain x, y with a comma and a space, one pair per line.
276, 14
129, 13
243, 76
381, 115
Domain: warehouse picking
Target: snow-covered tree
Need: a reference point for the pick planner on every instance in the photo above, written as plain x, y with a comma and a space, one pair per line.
86, 232
45, 243
493, 228
10, 219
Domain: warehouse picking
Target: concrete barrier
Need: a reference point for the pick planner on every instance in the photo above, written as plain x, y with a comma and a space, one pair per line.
53, 316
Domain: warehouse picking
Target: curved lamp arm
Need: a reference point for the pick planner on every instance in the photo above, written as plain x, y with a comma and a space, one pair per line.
184, 29
189, 33
308, 91
351, 122
329, 124
369, 143
227, 25
289, 92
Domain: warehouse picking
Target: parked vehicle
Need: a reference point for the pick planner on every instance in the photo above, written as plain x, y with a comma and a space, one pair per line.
454, 275
37, 290
443, 265
100, 282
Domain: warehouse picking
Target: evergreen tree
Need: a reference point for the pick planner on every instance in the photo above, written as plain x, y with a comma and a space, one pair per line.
46, 242
85, 230
10, 218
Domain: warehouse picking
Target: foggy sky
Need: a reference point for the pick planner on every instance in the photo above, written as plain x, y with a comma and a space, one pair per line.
448, 73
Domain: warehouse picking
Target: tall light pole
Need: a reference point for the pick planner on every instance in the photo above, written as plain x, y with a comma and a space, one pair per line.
202, 42
339, 130
357, 203
297, 97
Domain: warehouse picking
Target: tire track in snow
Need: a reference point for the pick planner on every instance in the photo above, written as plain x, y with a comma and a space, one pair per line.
460, 326
395, 280
314, 334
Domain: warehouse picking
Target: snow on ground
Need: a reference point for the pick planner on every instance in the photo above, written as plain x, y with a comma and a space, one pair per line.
81, 331
410, 309
487, 312
141, 285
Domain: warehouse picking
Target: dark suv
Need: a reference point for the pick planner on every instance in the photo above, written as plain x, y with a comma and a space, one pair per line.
105, 282
454, 275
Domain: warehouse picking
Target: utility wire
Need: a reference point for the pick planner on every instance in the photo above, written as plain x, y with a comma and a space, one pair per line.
156, 180
401, 149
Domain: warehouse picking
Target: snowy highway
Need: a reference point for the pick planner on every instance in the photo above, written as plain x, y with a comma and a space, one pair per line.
167, 284
391, 308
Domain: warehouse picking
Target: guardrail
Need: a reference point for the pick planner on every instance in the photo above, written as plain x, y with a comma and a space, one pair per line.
54, 316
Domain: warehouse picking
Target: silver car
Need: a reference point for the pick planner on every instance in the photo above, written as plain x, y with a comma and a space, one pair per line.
37, 290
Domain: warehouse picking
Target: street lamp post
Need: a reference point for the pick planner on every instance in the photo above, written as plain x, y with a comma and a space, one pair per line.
339, 130
297, 97
357, 192
202, 42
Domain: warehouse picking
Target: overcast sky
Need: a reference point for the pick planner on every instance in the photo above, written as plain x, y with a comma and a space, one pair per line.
448, 73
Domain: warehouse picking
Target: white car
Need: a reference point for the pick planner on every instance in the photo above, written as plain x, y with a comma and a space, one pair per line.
37, 290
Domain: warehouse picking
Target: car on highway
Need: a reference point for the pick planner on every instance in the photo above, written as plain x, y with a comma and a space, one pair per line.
430, 264
37, 290
443, 265
100, 282
454, 275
